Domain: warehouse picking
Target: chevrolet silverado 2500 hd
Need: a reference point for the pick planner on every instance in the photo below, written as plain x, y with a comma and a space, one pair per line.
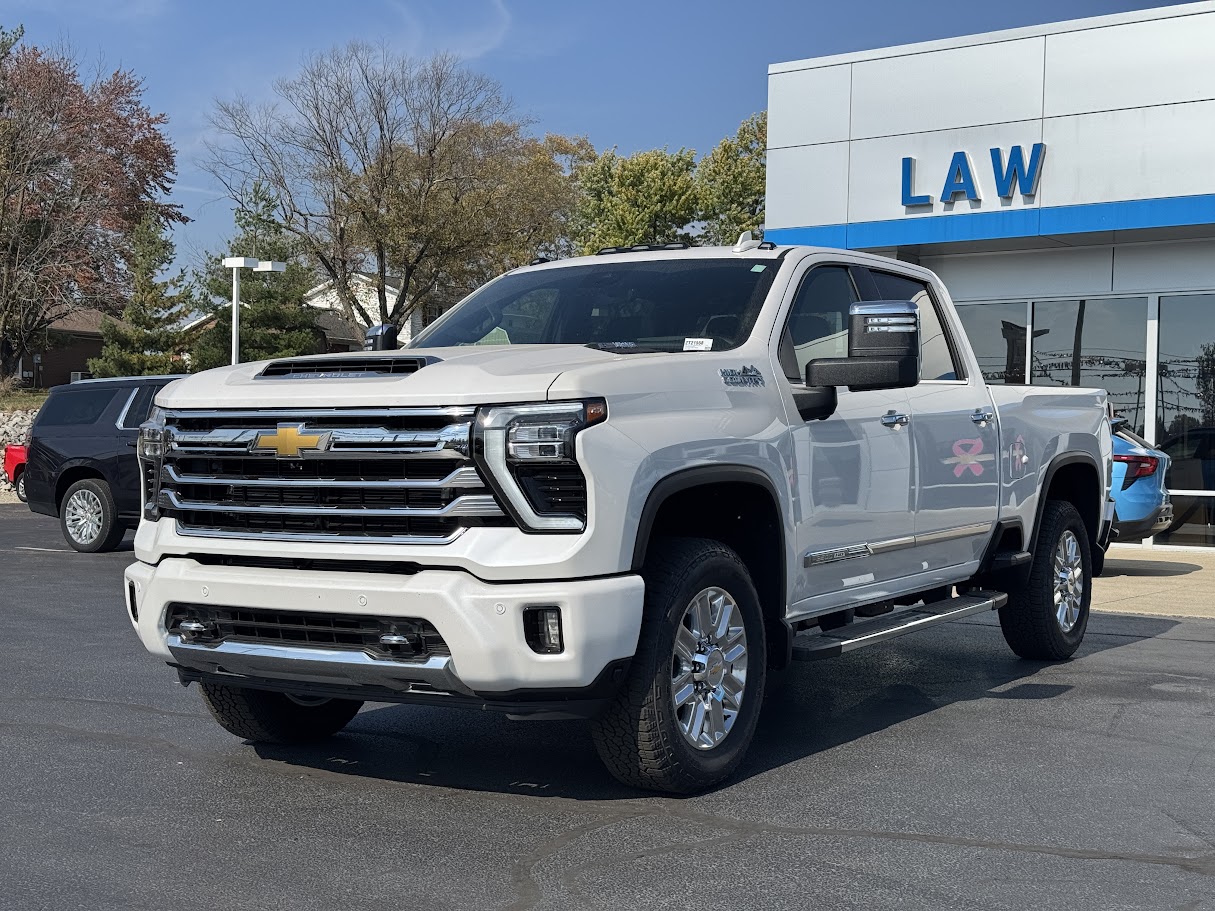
624, 487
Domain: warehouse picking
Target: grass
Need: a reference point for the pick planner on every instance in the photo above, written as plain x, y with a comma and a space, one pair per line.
22, 399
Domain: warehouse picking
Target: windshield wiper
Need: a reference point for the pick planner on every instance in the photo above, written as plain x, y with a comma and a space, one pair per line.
624, 348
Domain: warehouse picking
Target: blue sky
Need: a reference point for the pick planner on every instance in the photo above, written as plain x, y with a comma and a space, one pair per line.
635, 75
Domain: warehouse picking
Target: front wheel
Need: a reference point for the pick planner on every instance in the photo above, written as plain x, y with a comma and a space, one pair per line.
20, 487
267, 717
1046, 616
686, 715
89, 518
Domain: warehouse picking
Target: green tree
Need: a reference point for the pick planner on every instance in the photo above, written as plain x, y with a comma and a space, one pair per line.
645, 198
149, 339
274, 320
731, 181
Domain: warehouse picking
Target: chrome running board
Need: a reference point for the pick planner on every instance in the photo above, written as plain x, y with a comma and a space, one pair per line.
814, 646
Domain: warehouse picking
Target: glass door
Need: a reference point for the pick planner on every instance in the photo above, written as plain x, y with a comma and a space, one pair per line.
1185, 414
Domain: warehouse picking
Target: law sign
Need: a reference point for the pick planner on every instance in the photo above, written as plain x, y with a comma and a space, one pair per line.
1009, 175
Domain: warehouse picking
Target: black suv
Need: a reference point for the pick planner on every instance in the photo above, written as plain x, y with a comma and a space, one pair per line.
82, 465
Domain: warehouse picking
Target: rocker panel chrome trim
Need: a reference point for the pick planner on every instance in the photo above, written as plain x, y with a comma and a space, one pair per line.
857, 551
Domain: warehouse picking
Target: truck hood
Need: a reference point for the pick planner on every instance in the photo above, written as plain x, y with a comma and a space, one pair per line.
450, 376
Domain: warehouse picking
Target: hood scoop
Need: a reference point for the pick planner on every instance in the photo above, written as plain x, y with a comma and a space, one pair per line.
344, 368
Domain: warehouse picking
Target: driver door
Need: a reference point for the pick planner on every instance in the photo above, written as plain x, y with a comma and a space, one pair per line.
853, 502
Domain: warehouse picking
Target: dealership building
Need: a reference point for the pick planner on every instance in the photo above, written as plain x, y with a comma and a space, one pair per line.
1061, 181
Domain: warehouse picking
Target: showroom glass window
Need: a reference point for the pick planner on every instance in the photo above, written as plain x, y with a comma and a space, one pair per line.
997, 335
1099, 342
1185, 414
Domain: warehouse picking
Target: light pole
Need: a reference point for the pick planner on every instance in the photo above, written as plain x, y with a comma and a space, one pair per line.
236, 263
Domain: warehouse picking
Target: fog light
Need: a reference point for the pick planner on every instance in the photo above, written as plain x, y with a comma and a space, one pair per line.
193, 630
542, 629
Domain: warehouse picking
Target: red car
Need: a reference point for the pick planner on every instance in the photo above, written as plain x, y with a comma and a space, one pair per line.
14, 467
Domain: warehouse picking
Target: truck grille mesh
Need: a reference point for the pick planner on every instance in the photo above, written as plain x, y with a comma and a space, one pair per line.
303, 629
390, 476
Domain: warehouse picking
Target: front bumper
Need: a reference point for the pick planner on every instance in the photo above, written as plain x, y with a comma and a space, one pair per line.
481, 623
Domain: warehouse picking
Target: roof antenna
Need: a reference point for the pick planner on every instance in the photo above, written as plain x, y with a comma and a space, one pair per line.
745, 242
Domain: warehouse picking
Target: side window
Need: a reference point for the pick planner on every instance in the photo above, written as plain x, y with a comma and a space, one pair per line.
76, 406
137, 413
936, 358
818, 320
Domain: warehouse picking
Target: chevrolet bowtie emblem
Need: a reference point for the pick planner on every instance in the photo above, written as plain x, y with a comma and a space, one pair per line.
288, 441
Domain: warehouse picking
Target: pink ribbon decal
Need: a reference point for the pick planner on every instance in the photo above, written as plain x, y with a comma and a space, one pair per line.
967, 452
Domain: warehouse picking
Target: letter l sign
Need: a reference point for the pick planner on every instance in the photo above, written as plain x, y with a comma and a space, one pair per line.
909, 197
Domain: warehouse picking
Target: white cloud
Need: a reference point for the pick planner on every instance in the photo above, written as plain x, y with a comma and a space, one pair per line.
474, 35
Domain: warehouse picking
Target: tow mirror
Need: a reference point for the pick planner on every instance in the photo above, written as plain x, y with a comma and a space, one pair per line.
883, 349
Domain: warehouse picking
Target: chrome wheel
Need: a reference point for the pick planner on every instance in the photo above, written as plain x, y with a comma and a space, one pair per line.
709, 668
21, 487
83, 514
1069, 581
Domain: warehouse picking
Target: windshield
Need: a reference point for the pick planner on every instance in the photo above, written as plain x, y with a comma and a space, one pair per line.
653, 305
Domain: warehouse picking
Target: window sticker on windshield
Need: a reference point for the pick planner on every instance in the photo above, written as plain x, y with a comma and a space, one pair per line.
758, 267
698, 344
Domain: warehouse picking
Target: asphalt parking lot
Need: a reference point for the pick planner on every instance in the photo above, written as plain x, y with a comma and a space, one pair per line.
936, 772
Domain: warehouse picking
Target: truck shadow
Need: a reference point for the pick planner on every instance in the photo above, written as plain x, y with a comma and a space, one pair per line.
810, 709
1130, 568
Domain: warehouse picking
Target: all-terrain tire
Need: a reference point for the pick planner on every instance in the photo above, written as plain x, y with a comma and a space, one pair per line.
20, 487
90, 495
639, 737
1031, 620
267, 717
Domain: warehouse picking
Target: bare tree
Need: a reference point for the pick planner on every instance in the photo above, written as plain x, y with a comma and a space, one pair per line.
415, 172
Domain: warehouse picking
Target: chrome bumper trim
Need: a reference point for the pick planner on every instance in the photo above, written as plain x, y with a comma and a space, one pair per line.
317, 665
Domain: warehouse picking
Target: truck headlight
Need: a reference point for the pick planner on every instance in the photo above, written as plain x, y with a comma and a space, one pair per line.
528, 455
153, 439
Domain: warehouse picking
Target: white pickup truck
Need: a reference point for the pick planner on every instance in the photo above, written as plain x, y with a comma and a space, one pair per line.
624, 487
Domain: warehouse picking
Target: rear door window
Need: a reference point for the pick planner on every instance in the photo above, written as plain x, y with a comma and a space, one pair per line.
936, 352
76, 407
137, 411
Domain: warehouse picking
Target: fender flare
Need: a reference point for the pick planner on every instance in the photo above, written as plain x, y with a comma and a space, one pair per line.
699, 476
1061, 461
780, 645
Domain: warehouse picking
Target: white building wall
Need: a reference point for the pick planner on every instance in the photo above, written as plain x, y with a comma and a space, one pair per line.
1125, 105
1079, 271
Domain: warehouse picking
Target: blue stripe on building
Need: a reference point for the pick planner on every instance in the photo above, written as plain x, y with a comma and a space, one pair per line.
1031, 222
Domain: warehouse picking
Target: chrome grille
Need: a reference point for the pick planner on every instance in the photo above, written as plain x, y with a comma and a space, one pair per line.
389, 476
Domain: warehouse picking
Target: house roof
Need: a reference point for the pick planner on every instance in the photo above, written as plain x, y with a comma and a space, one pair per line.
337, 327
391, 282
82, 322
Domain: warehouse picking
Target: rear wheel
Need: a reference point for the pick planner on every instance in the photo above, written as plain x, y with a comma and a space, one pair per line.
1046, 616
686, 715
20, 487
266, 717
89, 518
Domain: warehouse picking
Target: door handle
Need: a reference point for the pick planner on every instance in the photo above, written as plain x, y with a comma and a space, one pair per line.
895, 420
982, 416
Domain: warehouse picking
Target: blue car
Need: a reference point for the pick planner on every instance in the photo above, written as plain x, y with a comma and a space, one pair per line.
1141, 501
